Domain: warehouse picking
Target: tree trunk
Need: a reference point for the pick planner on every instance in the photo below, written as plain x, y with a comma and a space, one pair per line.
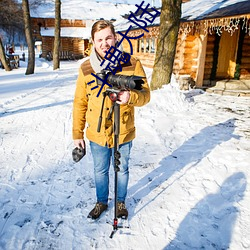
56, 59
168, 34
29, 38
3, 57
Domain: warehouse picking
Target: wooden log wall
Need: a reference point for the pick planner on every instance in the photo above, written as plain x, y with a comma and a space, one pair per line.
47, 45
144, 48
178, 61
186, 55
73, 45
66, 44
79, 46
209, 57
245, 60
50, 22
146, 57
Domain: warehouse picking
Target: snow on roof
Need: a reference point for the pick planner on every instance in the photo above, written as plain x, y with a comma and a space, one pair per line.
83, 10
199, 9
80, 32
91, 10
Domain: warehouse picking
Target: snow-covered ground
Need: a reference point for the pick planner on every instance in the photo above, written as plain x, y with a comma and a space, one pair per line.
189, 169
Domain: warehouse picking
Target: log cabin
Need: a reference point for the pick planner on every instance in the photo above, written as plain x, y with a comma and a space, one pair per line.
77, 19
213, 42
74, 37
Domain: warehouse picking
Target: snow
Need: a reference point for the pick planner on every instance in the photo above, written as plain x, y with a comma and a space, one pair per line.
81, 32
189, 169
191, 10
83, 10
93, 10
195, 9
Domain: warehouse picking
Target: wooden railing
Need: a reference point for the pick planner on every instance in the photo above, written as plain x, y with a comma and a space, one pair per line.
64, 55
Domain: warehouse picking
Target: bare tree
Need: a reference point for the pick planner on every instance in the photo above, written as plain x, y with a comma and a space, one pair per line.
169, 27
3, 57
11, 24
28, 33
56, 59
11, 16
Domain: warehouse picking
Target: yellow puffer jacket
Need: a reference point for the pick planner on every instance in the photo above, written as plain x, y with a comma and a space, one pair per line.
87, 106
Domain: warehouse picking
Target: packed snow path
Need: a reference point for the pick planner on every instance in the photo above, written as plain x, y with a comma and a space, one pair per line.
189, 170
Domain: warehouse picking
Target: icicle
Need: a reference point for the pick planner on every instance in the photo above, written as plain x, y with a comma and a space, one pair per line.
216, 25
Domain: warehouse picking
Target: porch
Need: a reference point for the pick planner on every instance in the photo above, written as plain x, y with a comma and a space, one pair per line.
231, 87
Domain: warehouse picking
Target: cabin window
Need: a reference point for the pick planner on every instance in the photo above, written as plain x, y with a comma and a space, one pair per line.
139, 45
152, 45
146, 45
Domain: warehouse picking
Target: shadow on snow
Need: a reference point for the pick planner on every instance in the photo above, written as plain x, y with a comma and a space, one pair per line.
190, 153
23, 110
212, 219
210, 223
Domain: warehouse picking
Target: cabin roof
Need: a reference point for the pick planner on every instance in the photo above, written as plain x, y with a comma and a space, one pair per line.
209, 9
82, 10
77, 32
196, 10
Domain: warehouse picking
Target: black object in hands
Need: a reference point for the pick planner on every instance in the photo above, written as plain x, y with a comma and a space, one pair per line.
78, 153
120, 81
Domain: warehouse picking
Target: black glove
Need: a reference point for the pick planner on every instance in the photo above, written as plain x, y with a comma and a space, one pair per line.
78, 153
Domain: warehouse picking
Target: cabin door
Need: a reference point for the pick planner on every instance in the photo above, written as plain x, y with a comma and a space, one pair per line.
227, 55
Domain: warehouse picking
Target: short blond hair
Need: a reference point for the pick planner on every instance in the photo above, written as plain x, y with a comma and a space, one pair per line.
101, 24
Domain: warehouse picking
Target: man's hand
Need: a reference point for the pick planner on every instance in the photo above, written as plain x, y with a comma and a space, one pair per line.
123, 97
79, 143
79, 151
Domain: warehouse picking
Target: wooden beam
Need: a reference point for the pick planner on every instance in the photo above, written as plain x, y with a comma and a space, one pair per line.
201, 60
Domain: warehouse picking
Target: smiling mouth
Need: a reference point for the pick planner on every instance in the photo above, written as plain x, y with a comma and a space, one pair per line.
105, 50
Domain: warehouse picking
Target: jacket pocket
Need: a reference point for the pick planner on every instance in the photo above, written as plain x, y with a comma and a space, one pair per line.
127, 120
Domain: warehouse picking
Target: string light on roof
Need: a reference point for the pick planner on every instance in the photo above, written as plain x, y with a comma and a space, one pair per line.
219, 25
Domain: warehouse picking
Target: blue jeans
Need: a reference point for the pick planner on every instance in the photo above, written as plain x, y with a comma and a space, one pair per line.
102, 158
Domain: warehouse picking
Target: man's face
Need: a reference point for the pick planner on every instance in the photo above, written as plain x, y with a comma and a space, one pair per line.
103, 40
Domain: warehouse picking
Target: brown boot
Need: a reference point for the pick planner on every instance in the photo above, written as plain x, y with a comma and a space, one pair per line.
97, 210
122, 211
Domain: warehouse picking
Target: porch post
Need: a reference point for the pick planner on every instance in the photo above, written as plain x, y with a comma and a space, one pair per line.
201, 60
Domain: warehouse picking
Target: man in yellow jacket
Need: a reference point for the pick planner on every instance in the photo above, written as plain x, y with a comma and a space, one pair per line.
86, 110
